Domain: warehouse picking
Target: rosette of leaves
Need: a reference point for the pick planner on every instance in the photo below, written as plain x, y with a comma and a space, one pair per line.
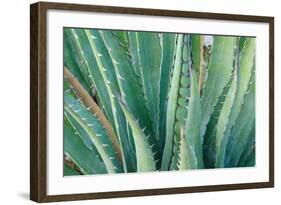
147, 101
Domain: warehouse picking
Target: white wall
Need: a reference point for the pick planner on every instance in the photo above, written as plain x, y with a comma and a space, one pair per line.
14, 103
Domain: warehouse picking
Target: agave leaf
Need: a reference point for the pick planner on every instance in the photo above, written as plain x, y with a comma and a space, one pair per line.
95, 131
168, 52
71, 61
75, 59
68, 171
172, 104
178, 101
87, 160
244, 72
150, 62
106, 68
193, 122
89, 65
103, 60
244, 127
145, 156
191, 151
210, 134
183, 103
187, 158
69, 90
130, 90
103, 75
219, 72
221, 138
84, 97
79, 131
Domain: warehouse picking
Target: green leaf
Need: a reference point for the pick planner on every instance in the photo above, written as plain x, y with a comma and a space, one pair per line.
191, 151
172, 104
187, 158
79, 131
74, 58
150, 62
106, 68
95, 131
101, 71
88, 65
168, 53
131, 92
144, 153
221, 138
244, 72
244, 127
179, 102
209, 144
87, 160
219, 72
193, 122
70, 61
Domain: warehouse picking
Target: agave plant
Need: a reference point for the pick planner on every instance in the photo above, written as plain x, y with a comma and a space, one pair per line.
147, 101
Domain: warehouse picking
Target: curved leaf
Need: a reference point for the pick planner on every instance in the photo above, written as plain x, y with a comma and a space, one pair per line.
209, 142
95, 131
172, 104
150, 62
219, 72
89, 66
168, 54
221, 138
87, 160
193, 122
144, 153
244, 73
106, 69
130, 90
244, 127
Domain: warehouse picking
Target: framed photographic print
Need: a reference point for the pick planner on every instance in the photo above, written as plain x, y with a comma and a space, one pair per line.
134, 102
